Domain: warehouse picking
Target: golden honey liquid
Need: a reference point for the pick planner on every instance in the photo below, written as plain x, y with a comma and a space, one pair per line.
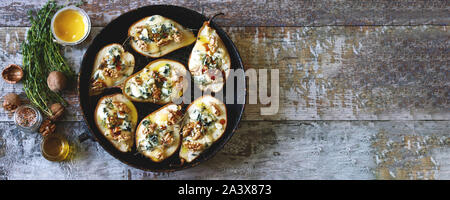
55, 147
69, 26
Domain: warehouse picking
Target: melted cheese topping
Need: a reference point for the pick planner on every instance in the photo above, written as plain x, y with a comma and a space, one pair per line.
210, 113
156, 36
159, 82
112, 66
116, 118
156, 137
209, 62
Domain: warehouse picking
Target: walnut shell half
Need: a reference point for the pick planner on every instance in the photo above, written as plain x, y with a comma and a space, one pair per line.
12, 73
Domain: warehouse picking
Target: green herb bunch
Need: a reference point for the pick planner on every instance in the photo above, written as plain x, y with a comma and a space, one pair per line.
41, 55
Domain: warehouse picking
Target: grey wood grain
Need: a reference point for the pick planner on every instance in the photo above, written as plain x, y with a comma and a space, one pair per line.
259, 150
263, 13
342, 66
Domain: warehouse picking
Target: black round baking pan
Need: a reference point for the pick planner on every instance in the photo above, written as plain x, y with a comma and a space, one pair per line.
117, 32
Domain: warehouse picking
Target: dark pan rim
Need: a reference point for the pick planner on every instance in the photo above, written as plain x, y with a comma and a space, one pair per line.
226, 137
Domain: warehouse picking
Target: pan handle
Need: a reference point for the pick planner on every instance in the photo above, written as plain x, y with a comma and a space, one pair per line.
85, 136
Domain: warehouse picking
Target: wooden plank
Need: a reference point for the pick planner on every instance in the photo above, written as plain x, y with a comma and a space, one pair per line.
259, 150
326, 73
263, 13
352, 73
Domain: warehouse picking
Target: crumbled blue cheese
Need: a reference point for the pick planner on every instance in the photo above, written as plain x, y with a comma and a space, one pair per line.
135, 91
104, 113
144, 34
202, 79
194, 114
115, 51
166, 84
150, 81
218, 126
126, 125
144, 144
164, 70
98, 75
165, 91
206, 118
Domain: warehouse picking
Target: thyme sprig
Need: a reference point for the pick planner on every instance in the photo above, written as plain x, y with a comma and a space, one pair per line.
41, 55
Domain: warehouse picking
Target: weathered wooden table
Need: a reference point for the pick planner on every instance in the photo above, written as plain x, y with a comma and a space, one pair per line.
364, 93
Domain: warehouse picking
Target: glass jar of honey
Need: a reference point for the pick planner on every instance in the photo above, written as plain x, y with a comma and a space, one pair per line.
70, 25
55, 147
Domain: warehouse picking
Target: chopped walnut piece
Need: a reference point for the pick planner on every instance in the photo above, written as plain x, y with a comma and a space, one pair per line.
177, 37
162, 42
112, 121
102, 65
188, 129
150, 129
198, 131
123, 108
171, 119
160, 77
116, 131
159, 154
216, 109
98, 85
167, 138
195, 129
194, 145
118, 134
111, 72
47, 127
139, 29
174, 116
142, 45
138, 80
104, 61
156, 92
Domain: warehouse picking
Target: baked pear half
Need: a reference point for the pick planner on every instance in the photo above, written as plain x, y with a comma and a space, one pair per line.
158, 134
204, 123
156, 36
112, 66
116, 118
209, 62
160, 82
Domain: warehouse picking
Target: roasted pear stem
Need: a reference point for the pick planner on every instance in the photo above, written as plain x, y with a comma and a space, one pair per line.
214, 16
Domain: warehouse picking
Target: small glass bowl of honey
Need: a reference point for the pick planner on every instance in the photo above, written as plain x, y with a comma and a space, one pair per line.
55, 147
70, 25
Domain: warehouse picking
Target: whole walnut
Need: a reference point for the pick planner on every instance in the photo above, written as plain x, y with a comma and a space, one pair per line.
56, 81
11, 101
57, 111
